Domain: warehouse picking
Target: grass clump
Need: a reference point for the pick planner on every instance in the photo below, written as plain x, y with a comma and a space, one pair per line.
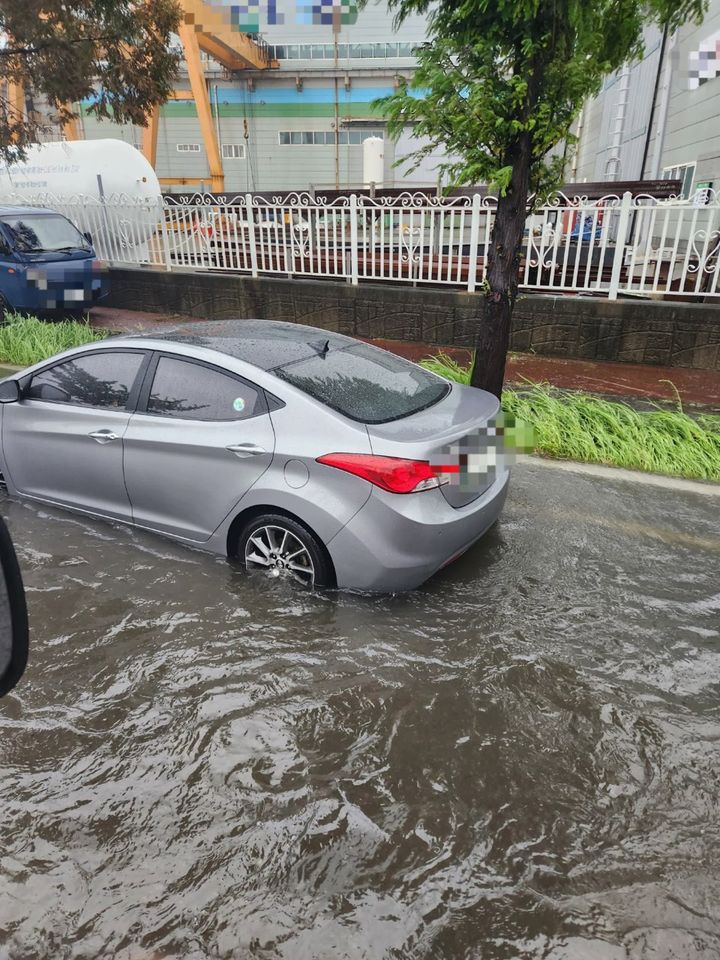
27, 340
578, 426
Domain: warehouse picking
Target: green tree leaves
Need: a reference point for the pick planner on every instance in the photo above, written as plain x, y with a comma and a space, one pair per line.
493, 71
497, 88
115, 51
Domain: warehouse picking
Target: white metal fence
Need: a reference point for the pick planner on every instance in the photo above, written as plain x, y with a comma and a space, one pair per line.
618, 245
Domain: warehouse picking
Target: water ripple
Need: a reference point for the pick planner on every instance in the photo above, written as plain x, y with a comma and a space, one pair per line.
519, 760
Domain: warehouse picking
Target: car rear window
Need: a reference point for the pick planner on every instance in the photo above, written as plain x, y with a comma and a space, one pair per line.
365, 383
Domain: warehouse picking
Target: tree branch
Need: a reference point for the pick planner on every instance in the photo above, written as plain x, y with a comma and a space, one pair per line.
26, 51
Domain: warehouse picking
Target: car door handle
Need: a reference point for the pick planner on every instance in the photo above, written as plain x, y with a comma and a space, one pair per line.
103, 436
245, 449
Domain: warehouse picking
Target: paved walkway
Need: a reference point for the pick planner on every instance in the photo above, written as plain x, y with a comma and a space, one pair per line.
614, 379
636, 380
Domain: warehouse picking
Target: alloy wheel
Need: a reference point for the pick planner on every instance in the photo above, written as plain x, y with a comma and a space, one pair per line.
279, 553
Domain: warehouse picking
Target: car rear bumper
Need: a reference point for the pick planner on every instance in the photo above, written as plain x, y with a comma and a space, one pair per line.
394, 543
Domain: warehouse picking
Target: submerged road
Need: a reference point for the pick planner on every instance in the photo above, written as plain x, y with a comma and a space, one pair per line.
519, 760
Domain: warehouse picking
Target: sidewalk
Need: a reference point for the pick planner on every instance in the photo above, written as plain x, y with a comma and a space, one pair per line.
627, 380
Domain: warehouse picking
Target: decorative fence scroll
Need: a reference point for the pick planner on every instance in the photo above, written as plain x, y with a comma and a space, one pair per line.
616, 245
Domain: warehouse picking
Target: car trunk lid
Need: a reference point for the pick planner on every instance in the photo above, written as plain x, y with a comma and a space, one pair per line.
444, 434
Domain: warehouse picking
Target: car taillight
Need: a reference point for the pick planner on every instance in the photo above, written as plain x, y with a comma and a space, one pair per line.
395, 474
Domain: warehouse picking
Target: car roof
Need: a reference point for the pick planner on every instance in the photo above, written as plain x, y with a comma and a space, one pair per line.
8, 211
262, 343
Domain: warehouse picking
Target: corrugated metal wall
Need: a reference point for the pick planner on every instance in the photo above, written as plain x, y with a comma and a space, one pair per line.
693, 126
692, 132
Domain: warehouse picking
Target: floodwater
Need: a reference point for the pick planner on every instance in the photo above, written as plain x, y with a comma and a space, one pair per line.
520, 760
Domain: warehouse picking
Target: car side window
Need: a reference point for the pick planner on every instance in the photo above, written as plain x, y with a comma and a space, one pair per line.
191, 391
96, 380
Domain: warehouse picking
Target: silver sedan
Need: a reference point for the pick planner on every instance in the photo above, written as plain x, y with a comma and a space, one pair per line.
305, 453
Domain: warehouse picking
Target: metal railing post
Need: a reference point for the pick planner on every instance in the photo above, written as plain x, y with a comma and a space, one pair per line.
474, 236
575, 245
354, 239
620, 239
164, 236
250, 220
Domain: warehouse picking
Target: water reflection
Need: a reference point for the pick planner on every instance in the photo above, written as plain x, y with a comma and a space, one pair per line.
97, 380
518, 760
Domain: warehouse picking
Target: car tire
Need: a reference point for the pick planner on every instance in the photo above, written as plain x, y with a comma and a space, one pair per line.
5, 307
280, 546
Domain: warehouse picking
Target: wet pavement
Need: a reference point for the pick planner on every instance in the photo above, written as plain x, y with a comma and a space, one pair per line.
519, 760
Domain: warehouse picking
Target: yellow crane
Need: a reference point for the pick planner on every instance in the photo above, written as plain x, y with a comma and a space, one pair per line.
207, 28
204, 27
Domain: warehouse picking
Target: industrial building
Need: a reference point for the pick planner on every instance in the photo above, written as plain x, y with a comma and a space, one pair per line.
659, 118
298, 117
299, 121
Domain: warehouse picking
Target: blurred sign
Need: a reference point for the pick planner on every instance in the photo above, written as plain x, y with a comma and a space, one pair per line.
704, 63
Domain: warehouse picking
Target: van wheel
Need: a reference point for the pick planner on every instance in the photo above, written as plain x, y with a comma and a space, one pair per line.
5, 307
279, 546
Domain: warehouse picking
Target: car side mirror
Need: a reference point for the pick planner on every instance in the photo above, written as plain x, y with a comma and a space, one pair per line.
88, 237
9, 391
14, 634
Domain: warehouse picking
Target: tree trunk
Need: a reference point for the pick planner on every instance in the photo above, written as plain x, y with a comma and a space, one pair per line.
501, 279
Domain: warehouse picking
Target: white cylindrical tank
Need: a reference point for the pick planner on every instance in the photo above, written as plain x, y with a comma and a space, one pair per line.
69, 169
105, 187
373, 161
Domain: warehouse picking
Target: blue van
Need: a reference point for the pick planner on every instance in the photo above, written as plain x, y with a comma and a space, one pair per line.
46, 264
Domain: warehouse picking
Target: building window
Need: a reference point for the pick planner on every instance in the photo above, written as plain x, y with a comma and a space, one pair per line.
345, 51
685, 173
188, 147
233, 151
322, 138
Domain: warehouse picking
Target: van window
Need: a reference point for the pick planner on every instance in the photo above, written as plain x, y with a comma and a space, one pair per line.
44, 233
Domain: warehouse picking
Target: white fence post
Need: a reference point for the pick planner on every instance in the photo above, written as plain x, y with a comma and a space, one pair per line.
573, 245
354, 239
165, 240
474, 235
622, 232
250, 221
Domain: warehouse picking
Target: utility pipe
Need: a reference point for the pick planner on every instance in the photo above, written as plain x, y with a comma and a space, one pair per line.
663, 111
576, 154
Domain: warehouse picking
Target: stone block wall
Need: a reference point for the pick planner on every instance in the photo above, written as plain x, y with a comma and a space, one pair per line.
590, 328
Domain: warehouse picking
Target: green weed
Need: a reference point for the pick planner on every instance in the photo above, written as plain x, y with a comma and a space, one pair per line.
27, 340
578, 426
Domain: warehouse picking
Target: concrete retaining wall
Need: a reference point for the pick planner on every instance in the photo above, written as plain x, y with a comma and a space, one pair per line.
629, 331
